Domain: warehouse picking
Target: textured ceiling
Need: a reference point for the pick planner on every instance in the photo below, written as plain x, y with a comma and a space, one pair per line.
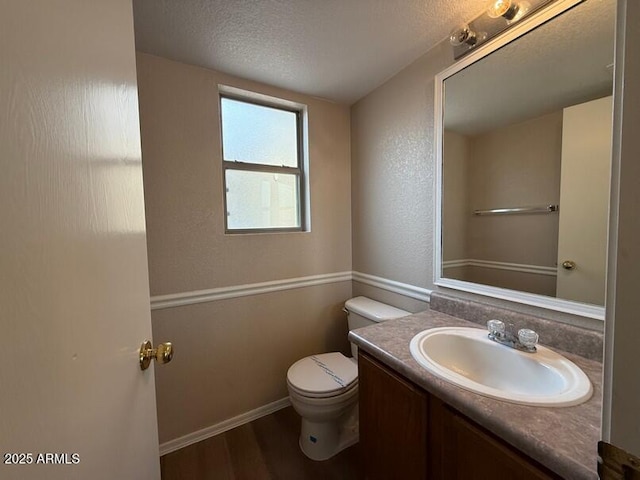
334, 49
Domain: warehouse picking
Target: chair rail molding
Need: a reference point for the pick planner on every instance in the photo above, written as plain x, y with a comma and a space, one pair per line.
159, 302
419, 293
514, 267
234, 291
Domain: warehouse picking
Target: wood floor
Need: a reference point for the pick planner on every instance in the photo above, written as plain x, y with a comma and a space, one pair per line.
265, 449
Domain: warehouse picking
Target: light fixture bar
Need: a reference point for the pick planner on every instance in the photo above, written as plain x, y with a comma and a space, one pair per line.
500, 15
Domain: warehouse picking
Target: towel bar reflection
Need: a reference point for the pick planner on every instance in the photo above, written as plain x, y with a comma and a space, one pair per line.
516, 210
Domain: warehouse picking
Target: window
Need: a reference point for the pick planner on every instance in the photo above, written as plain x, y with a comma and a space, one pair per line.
262, 165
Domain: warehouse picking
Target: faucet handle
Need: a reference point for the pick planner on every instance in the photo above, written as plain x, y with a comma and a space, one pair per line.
528, 338
495, 327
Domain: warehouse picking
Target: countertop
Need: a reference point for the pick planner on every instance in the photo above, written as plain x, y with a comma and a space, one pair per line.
564, 439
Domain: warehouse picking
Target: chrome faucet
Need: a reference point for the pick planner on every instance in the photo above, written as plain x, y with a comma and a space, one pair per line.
525, 340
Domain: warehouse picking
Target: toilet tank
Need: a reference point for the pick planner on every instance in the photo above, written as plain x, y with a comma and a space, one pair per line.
362, 312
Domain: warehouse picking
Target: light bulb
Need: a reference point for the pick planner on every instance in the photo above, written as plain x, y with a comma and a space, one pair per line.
497, 8
461, 35
503, 8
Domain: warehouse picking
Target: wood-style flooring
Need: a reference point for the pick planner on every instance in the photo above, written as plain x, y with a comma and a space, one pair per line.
265, 449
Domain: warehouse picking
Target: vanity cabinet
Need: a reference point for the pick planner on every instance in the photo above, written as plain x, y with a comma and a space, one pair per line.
393, 423
407, 433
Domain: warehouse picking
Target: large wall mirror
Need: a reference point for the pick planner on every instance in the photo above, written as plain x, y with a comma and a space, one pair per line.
524, 131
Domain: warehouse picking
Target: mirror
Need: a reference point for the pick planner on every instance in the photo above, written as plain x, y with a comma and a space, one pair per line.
524, 131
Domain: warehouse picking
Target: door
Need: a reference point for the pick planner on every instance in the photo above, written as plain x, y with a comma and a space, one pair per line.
584, 201
74, 295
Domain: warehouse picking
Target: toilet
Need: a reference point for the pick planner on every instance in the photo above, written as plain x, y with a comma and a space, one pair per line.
323, 388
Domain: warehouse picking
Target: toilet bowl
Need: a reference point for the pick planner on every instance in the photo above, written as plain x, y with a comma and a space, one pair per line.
323, 388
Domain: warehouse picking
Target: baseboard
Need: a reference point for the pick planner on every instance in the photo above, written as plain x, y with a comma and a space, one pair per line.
213, 430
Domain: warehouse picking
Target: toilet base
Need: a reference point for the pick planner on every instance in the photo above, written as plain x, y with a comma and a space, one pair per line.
322, 440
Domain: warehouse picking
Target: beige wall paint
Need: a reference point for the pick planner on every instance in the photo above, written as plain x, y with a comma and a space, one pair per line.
188, 249
393, 173
383, 134
514, 166
393, 185
621, 386
523, 281
456, 206
232, 355
390, 298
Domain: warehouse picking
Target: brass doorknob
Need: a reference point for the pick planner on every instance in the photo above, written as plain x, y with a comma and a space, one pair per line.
568, 264
162, 354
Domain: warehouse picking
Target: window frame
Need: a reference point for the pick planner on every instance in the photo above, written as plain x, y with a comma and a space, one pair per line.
300, 171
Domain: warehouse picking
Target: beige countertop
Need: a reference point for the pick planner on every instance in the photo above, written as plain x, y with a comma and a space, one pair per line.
563, 438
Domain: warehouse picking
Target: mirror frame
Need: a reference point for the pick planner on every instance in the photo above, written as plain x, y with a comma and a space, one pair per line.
549, 303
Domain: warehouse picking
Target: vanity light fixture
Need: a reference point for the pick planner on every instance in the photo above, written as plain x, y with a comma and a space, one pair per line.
499, 16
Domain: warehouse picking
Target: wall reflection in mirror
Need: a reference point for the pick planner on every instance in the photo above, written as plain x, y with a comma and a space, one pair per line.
530, 125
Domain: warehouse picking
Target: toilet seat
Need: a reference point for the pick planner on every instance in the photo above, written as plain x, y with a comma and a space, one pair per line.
324, 375
315, 395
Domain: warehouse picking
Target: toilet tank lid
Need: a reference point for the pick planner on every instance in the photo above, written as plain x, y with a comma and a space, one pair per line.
373, 310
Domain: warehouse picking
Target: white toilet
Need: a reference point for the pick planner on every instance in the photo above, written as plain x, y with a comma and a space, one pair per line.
323, 388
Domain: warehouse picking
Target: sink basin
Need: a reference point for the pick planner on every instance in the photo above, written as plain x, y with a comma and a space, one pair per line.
469, 359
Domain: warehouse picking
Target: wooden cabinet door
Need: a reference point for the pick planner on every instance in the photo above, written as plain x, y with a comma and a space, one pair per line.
393, 424
462, 450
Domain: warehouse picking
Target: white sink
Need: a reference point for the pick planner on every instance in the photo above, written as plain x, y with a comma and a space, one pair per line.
469, 359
